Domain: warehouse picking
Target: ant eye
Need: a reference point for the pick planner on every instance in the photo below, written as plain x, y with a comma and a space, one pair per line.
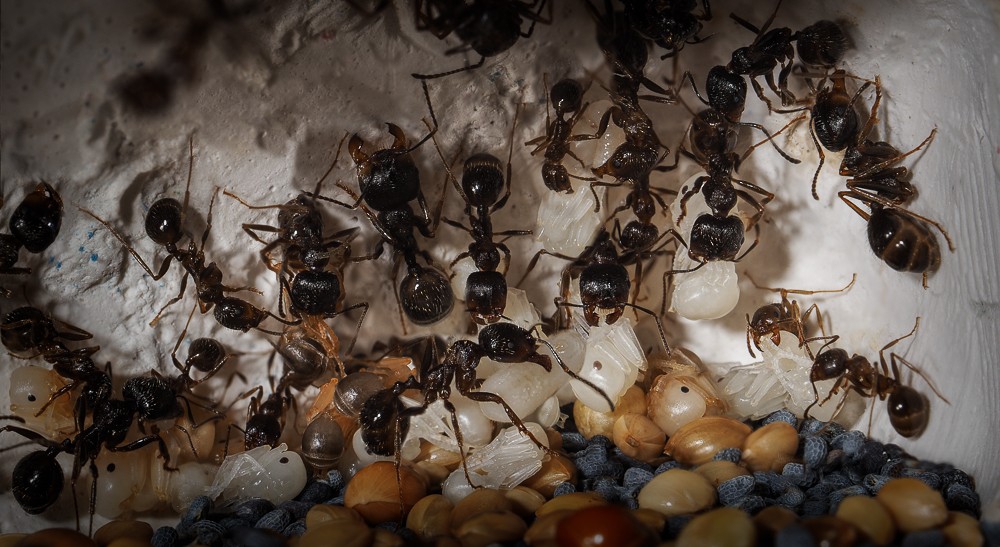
685, 389
283, 460
31, 398
111, 468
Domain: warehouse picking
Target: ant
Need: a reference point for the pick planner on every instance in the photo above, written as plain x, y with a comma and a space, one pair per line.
566, 97
908, 409
821, 44
164, 223
487, 27
769, 49
485, 188
389, 181
771, 319
669, 25
34, 225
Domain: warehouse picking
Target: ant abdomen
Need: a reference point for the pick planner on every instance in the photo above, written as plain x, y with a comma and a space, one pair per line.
556, 178
905, 244
426, 296
482, 180
908, 411
829, 364
566, 96
37, 481
508, 343
486, 295
822, 43
164, 221
379, 421
206, 354
262, 430
316, 293
37, 219
716, 238
9, 249
237, 314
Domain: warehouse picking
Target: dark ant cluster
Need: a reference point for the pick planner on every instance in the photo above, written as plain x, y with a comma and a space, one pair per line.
311, 261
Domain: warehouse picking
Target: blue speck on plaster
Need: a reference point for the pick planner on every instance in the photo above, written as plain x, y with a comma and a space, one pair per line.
81, 248
93, 257
59, 265
52, 259
90, 234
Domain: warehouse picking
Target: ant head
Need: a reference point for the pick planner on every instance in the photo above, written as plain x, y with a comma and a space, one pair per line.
486, 296
205, 354
556, 178
482, 180
628, 161
909, 411
36, 221
566, 96
316, 292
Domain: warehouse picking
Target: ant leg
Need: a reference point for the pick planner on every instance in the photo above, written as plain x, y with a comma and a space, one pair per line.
892, 161
759, 207
534, 261
753, 245
395, 292
510, 154
357, 330
873, 114
148, 439
128, 247
173, 354
482, 60
895, 371
458, 439
174, 300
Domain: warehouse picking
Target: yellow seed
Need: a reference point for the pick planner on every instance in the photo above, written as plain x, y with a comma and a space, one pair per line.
487, 528
638, 437
677, 492
697, 442
323, 513
726, 527
870, 517
770, 447
57, 536
555, 471
117, 529
430, 517
434, 473
343, 533
961, 530
525, 500
576, 500
481, 500
913, 505
720, 471
374, 491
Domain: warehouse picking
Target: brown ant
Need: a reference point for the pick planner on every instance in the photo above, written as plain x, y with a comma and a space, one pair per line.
164, 225
566, 97
33, 225
487, 27
908, 409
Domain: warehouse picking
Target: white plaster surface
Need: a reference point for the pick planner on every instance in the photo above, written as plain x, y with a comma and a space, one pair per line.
279, 89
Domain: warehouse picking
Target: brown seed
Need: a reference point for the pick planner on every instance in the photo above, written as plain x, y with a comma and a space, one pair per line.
555, 471
831, 531
129, 542
486, 528
868, 516
123, 529
57, 536
771, 520
720, 471
961, 530
603, 525
555, 439
525, 500
677, 492
913, 505
374, 493
385, 538
430, 517
770, 447
698, 441
322, 513
543, 530
343, 533
434, 473
576, 500
638, 437
479, 501
725, 527
654, 520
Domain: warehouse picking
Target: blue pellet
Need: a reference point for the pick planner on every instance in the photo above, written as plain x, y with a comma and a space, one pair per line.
601, 441
926, 538
297, 509
254, 537
796, 473
208, 532
814, 507
782, 416
732, 491
814, 451
296, 528
339, 500
957, 476
233, 522
564, 488
627, 461
810, 426
336, 480
589, 467
834, 457
164, 536
896, 452
636, 477
832, 430
630, 502
676, 524
607, 489
991, 531
794, 535
870, 458
853, 475
613, 468
390, 525
770, 484
959, 497
573, 442
728, 455
275, 520
839, 480
253, 509
838, 496
666, 466
874, 483
316, 492
892, 468
198, 509
930, 479
752, 504
850, 442
791, 498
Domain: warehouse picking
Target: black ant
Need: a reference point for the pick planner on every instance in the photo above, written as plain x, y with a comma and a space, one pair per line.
771, 319
769, 49
487, 27
566, 97
164, 225
34, 225
908, 409
821, 44
389, 181
669, 25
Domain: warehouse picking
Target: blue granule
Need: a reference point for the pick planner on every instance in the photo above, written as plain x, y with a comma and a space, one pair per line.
814, 451
253, 509
666, 466
732, 491
796, 473
853, 475
336, 481
874, 483
834, 458
208, 532
564, 488
838, 496
791, 498
590, 466
959, 497
991, 531
793, 535
630, 502
781, 416
814, 507
164, 536
752, 504
255, 537
870, 458
316, 492
636, 477
607, 488
833, 429
957, 476
930, 479
850, 442
893, 468
770, 484
614, 469
839, 480
389, 525
926, 538
628, 461
409, 536
230, 523
339, 500
199, 509
573, 442
728, 455
296, 528
275, 520
297, 509
601, 441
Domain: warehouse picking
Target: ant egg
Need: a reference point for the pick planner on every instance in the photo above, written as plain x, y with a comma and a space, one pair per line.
613, 360
682, 395
30, 389
275, 474
510, 459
